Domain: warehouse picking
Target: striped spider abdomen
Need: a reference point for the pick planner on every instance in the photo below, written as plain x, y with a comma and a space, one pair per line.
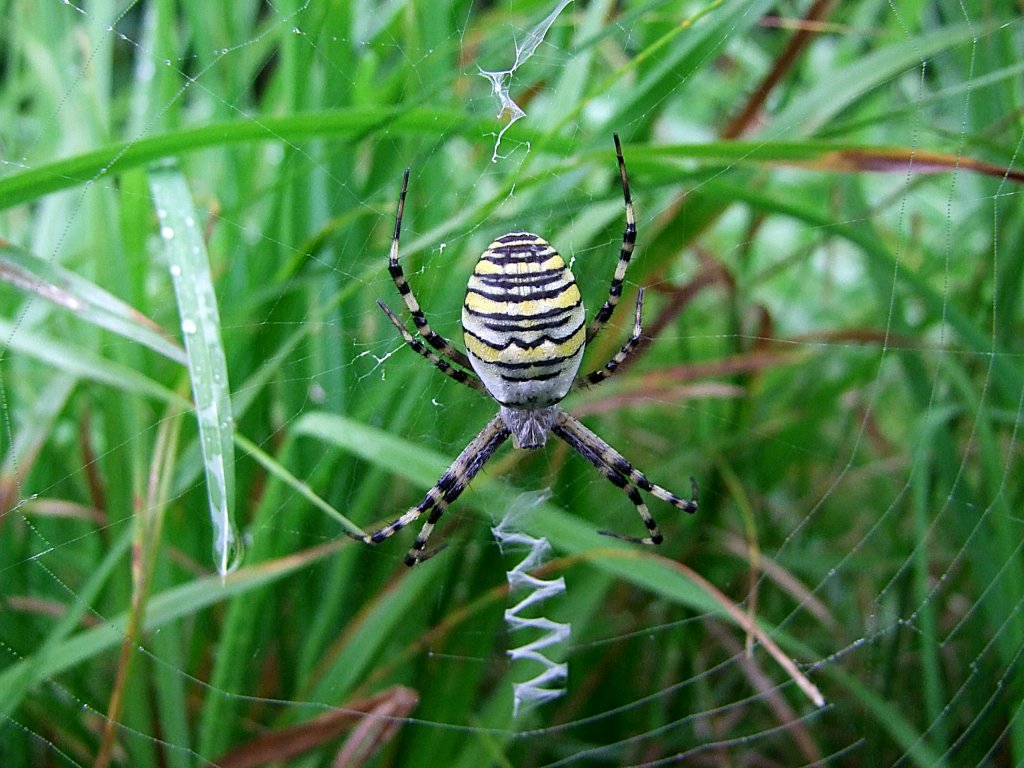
523, 322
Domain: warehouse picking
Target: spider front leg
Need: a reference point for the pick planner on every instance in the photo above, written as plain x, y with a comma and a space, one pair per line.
622, 355
625, 254
452, 483
435, 340
463, 377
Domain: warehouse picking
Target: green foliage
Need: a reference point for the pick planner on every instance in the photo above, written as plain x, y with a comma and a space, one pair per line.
829, 235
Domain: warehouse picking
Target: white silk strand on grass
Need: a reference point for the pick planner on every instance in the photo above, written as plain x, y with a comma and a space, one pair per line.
501, 80
550, 682
188, 262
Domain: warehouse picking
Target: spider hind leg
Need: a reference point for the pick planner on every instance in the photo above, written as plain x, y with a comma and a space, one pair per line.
622, 474
452, 483
654, 538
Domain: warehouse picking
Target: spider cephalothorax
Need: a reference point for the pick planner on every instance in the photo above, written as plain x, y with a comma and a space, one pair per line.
525, 331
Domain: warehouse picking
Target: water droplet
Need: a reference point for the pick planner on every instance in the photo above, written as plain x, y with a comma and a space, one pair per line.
188, 325
166, 232
175, 270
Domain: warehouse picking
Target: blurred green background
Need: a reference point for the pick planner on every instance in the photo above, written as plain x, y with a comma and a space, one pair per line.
830, 243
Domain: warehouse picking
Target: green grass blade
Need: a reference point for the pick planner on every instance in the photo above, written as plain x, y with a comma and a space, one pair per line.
276, 469
89, 166
185, 600
80, 363
187, 258
19, 678
817, 106
566, 532
84, 299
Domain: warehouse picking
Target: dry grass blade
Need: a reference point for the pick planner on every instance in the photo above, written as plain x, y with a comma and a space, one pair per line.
148, 524
747, 116
750, 626
766, 688
373, 721
785, 580
908, 160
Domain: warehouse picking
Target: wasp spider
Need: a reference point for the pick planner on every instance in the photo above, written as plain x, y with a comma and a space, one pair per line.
525, 329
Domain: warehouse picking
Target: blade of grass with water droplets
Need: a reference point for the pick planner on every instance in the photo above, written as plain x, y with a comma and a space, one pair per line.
188, 261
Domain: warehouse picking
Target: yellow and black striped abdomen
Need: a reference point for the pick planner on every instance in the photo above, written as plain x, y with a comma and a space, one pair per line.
524, 322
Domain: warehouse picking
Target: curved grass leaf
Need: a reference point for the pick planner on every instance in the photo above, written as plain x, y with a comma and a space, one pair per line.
837, 90
566, 532
81, 363
88, 166
84, 299
817, 155
200, 323
185, 600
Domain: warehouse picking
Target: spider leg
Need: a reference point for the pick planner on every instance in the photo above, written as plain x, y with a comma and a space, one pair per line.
435, 340
448, 488
621, 356
621, 473
619, 480
463, 377
625, 254
655, 536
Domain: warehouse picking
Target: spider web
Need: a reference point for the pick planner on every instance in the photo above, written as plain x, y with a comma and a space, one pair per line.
829, 237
